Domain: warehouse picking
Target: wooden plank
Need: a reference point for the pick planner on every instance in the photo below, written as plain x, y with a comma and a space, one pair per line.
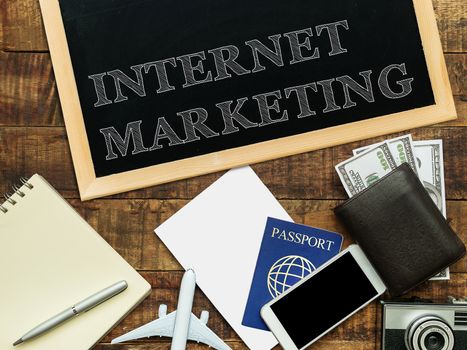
165, 286
2, 21
24, 30
162, 345
128, 225
461, 107
457, 68
450, 16
25, 151
360, 328
165, 345
28, 93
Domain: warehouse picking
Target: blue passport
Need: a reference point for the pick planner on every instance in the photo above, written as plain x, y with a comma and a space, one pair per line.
288, 253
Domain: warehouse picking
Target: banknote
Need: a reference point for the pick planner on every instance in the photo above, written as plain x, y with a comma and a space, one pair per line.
429, 157
360, 171
402, 150
425, 158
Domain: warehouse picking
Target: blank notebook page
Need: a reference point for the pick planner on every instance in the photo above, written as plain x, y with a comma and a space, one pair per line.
50, 259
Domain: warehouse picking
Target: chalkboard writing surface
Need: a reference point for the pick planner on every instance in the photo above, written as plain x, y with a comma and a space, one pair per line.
214, 84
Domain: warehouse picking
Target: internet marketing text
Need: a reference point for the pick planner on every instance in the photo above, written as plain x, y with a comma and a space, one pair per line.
224, 59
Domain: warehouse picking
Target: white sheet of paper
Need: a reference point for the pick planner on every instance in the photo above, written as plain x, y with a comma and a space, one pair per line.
218, 234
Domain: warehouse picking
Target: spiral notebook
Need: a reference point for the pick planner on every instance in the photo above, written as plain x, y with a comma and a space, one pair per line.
50, 258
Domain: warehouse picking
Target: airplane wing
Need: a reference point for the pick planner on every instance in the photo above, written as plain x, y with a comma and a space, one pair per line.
202, 334
162, 327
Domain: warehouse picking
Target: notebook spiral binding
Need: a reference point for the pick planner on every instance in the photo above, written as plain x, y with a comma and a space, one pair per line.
16, 189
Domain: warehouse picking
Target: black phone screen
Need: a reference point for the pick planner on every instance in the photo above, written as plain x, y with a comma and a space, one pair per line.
323, 300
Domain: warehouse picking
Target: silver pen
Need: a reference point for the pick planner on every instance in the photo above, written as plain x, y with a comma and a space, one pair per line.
83, 306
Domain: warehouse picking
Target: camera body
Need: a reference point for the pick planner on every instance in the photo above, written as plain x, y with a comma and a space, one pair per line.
424, 326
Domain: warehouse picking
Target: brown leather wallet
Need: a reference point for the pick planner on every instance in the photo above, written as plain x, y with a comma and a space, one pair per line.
400, 229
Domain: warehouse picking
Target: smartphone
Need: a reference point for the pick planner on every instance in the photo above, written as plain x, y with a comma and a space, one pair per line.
324, 299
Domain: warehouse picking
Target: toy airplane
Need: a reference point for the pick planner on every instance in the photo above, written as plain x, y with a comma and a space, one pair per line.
181, 325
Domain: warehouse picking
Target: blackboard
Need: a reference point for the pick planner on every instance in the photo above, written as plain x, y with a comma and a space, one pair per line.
154, 91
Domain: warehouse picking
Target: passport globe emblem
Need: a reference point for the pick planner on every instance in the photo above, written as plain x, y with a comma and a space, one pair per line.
287, 271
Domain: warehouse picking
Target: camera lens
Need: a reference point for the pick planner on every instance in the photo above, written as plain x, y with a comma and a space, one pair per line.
434, 341
429, 333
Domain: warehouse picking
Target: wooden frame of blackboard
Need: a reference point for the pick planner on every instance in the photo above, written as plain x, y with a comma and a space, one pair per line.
91, 186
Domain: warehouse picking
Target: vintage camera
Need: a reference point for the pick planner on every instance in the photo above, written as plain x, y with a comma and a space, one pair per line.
424, 325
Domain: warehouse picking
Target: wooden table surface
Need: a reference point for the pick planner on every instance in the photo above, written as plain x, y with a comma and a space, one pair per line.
33, 140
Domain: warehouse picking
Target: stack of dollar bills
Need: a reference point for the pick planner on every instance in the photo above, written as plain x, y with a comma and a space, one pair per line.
372, 162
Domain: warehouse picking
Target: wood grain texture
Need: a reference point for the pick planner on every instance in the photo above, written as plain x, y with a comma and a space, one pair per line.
127, 225
461, 107
165, 289
24, 30
25, 151
359, 329
322, 345
2, 21
457, 69
33, 139
22, 26
28, 95
451, 18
